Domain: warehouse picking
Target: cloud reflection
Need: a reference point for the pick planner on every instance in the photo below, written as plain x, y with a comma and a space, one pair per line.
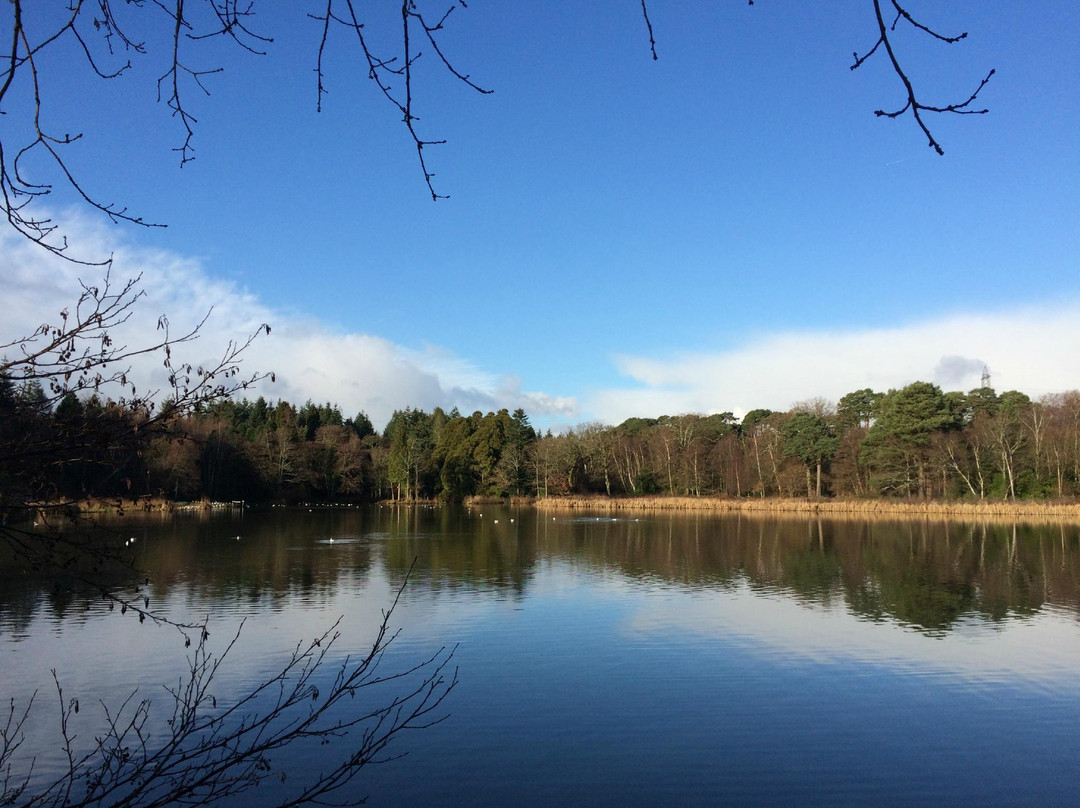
780, 625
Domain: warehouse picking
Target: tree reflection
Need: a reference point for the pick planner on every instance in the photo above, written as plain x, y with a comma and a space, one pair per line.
921, 573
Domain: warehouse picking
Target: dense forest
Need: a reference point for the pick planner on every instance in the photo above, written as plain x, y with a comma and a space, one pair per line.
914, 442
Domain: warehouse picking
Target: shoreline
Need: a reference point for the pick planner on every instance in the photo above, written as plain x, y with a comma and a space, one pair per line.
832, 508
788, 507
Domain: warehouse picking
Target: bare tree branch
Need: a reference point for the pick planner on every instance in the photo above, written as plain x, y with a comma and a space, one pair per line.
111, 53
206, 750
916, 107
393, 76
648, 24
80, 358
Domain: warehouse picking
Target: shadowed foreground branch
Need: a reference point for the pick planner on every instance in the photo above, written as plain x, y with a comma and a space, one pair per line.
75, 426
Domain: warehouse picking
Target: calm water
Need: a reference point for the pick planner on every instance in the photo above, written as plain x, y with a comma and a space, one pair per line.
665, 660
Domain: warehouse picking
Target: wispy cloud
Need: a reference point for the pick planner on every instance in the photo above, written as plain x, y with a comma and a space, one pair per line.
354, 370
1035, 349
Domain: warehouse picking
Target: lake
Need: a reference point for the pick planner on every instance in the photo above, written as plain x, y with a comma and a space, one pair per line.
667, 659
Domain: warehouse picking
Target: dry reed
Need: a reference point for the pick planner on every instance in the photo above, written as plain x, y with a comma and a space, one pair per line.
833, 508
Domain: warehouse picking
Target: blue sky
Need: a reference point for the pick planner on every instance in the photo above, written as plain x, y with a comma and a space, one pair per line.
725, 228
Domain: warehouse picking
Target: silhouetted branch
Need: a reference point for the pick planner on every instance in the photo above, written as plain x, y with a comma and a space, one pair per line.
207, 750
109, 422
913, 104
75, 355
393, 75
648, 24
97, 33
231, 17
13, 785
17, 190
111, 53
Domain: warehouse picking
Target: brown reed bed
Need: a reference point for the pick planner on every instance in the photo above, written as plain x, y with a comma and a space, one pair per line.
476, 499
138, 504
832, 508
113, 504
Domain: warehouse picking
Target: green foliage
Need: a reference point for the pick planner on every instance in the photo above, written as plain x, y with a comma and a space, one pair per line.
636, 426
647, 482
810, 438
714, 427
361, 425
453, 454
753, 418
920, 442
410, 436
69, 409
7, 394
897, 447
857, 409
31, 398
981, 400
910, 415
1013, 401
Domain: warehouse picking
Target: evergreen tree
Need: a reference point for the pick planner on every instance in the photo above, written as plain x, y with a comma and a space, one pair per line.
898, 444
809, 437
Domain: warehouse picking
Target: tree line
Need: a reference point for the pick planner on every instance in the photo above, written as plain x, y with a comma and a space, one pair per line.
912, 442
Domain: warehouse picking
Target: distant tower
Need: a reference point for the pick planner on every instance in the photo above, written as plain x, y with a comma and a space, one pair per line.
986, 378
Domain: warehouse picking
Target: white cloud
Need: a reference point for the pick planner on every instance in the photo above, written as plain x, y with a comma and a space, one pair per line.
1034, 349
354, 370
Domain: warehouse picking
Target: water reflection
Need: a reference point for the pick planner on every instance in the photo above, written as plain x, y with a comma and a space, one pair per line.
924, 574
725, 660
927, 575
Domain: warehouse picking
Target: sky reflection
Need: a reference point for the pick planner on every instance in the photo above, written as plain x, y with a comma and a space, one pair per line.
1042, 649
620, 662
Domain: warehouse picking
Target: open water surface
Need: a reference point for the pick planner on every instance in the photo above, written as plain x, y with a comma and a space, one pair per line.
668, 659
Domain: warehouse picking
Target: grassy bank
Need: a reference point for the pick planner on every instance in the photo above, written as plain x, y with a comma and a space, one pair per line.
825, 507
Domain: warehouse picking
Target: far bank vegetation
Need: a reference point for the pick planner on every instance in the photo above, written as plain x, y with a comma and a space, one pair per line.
914, 444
